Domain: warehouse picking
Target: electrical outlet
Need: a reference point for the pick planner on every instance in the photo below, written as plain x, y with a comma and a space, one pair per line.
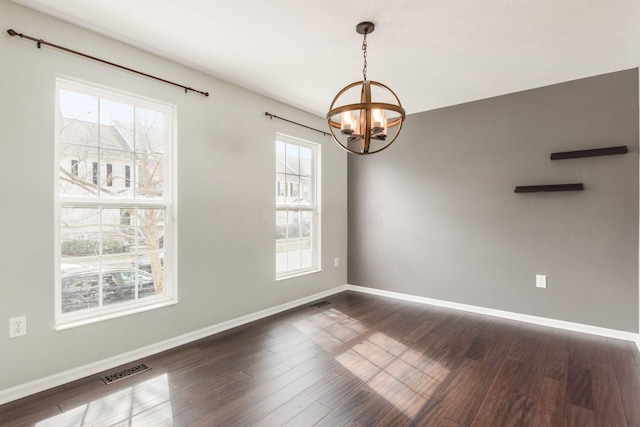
541, 281
17, 326
336, 262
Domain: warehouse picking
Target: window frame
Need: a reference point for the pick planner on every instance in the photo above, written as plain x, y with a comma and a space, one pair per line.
167, 202
314, 207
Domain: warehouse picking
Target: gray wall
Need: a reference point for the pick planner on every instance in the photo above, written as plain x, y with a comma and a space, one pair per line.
436, 216
226, 179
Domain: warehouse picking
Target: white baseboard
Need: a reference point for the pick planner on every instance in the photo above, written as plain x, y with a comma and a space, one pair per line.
32, 387
560, 324
36, 386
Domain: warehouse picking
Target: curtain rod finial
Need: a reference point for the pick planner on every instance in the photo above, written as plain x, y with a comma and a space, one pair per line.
11, 32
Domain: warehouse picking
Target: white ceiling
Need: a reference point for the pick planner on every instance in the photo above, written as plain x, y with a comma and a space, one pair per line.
433, 53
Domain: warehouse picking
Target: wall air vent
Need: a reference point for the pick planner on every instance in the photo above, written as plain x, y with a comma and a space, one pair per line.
125, 373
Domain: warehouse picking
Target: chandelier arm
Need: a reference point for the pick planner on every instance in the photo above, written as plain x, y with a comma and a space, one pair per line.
334, 124
365, 119
396, 122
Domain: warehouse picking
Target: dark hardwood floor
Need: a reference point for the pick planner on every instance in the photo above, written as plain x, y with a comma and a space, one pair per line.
363, 361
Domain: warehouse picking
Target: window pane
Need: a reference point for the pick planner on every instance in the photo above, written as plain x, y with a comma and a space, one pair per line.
305, 191
78, 118
280, 158
281, 241
306, 255
293, 255
146, 284
76, 170
305, 226
151, 241
150, 274
281, 225
293, 189
305, 161
149, 175
150, 229
292, 158
79, 289
293, 240
281, 256
306, 260
281, 188
80, 232
293, 224
114, 288
149, 131
116, 125
113, 173
118, 233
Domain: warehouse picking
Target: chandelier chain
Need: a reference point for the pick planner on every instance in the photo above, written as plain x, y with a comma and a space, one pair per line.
364, 55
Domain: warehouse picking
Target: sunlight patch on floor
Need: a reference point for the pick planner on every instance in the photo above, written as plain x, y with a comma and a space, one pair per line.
139, 404
401, 375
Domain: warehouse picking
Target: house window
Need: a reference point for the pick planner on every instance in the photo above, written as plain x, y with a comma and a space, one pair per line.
297, 198
115, 228
127, 176
109, 175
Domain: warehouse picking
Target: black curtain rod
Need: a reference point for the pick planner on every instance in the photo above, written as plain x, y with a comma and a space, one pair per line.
271, 116
41, 42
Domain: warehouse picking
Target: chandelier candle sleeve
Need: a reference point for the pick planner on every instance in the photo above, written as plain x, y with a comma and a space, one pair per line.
368, 113
347, 122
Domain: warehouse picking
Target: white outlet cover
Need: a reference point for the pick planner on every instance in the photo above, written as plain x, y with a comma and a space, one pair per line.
17, 326
541, 281
336, 262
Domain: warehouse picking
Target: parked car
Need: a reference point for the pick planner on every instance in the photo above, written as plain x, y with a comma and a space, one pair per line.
144, 262
80, 287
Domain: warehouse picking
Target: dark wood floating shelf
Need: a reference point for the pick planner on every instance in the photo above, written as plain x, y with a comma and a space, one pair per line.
608, 151
553, 187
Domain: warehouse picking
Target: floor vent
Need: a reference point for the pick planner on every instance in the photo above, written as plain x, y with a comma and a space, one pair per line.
320, 304
125, 373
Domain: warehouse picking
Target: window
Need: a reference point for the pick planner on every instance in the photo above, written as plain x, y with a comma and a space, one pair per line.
127, 176
109, 175
114, 204
297, 195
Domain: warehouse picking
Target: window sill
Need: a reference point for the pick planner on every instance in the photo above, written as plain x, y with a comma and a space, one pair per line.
297, 274
68, 324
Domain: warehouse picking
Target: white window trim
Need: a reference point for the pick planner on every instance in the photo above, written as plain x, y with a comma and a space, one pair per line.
316, 168
74, 319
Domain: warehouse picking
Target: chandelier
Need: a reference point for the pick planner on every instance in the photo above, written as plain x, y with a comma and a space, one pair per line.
365, 125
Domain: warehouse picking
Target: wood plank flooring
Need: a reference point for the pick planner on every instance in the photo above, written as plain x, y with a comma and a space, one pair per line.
362, 361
